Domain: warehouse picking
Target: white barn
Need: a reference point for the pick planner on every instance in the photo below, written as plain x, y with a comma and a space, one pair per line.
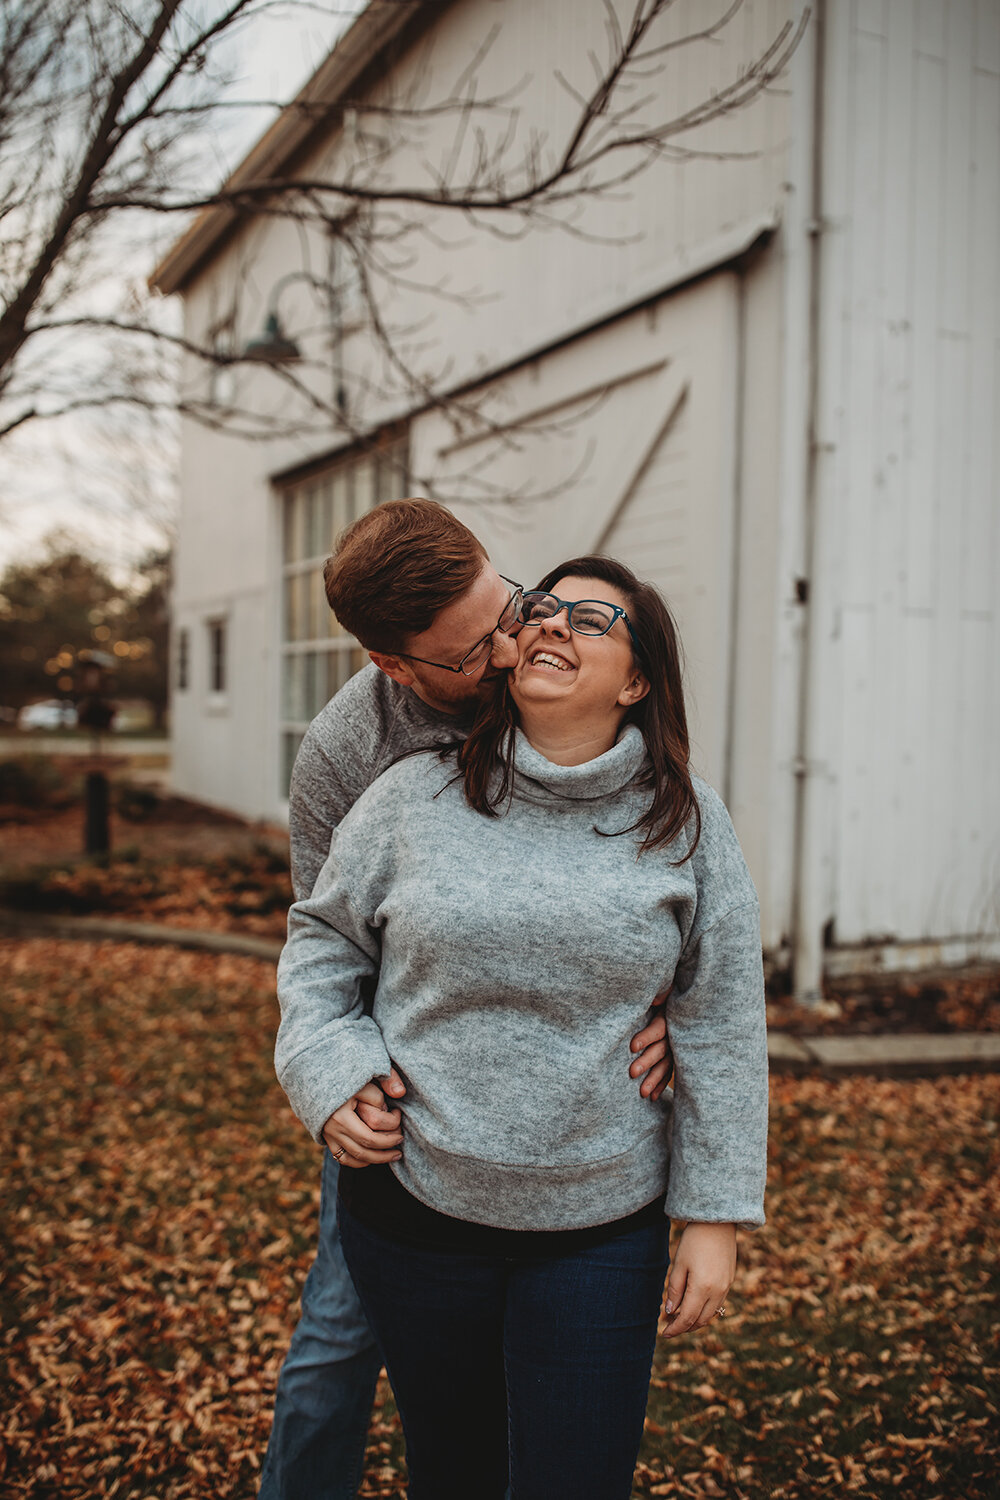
767, 377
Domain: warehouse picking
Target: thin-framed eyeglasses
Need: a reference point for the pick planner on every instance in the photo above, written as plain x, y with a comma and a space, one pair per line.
480, 652
585, 616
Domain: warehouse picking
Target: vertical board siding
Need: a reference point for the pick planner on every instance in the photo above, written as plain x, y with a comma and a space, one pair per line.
988, 36
926, 108
910, 408
981, 499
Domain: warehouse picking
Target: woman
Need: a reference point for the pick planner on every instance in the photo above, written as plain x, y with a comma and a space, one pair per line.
520, 916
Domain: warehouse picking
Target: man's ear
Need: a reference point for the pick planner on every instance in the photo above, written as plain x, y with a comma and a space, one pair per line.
634, 690
393, 666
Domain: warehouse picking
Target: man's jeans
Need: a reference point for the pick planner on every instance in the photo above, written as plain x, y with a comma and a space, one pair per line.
534, 1372
324, 1398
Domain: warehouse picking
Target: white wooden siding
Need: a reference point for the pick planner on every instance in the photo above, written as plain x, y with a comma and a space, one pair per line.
908, 468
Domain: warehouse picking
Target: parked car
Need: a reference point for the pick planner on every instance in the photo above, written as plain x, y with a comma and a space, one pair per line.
53, 713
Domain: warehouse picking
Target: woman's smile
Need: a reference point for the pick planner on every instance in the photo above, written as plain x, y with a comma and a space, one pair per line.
549, 661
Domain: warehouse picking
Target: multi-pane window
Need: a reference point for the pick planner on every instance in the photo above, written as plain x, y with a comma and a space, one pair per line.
217, 656
318, 656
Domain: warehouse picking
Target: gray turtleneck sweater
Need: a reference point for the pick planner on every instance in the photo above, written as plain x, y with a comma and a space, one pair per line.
535, 944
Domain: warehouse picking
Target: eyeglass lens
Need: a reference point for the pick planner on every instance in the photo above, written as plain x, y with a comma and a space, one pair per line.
586, 616
482, 649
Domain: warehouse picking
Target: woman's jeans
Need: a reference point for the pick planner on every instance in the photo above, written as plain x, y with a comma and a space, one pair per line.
540, 1363
324, 1398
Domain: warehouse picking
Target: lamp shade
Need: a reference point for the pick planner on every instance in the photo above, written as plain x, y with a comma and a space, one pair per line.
272, 347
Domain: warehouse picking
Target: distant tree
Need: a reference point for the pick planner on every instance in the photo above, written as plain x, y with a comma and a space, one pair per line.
50, 611
67, 603
143, 673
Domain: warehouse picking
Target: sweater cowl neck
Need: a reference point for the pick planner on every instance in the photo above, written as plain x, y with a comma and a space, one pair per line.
602, 777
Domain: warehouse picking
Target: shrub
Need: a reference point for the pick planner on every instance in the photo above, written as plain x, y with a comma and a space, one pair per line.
37, 781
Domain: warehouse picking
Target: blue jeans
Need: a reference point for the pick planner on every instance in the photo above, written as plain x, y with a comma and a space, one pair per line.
323, 1402
532, 1372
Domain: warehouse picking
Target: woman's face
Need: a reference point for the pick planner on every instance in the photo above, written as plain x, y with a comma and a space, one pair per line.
560, 667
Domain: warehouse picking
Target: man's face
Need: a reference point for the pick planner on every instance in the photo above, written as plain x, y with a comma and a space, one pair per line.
455, 630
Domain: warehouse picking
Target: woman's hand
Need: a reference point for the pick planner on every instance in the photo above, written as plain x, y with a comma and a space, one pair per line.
700, 1276
655, 1058
365, 1132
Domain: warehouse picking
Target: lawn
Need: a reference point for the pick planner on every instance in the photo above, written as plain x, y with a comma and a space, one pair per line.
159, 1212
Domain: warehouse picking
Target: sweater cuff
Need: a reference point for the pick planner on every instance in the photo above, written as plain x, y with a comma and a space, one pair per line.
319, 1080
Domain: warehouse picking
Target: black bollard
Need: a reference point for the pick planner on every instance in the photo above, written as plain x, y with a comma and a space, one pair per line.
97, 839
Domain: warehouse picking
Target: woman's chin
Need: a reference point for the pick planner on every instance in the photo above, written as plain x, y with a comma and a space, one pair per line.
535, 688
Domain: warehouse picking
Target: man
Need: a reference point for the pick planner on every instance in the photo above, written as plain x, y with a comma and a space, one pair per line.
407, 575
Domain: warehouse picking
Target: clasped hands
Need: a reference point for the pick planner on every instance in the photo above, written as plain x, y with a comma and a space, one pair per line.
366, 1130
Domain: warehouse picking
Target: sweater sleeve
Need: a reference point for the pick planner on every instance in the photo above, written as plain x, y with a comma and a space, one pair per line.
327, 1046
716, 1024
318, 800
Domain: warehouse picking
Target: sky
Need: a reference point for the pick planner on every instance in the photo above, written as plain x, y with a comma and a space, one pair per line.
59, 476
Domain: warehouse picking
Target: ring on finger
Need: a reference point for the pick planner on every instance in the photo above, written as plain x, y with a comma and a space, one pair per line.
338, 1154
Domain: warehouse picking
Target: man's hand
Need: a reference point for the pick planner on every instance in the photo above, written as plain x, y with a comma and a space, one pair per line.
700, 1276
655, 1059
365, 1132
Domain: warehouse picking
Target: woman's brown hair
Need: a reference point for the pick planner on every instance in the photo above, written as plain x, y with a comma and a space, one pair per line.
486, 759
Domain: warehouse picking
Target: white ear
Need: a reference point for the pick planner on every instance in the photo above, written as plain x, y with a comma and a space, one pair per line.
634, 690
393, 666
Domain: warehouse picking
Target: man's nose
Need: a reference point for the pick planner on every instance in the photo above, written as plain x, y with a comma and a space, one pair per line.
504, 650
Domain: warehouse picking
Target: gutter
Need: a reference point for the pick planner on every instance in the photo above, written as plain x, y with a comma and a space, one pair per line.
808, 903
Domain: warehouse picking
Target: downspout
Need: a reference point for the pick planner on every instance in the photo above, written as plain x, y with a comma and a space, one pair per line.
808, 915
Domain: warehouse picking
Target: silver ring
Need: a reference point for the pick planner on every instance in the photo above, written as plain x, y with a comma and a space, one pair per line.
721, 1312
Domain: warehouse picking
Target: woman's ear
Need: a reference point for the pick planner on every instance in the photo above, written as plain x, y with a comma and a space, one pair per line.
634, 690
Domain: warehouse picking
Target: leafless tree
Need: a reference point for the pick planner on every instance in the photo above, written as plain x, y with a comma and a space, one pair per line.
110, 114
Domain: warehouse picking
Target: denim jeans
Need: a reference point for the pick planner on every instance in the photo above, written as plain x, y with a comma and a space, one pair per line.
324, 1398
532, 1372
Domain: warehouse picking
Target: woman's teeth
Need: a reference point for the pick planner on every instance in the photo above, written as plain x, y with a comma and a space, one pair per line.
543, 659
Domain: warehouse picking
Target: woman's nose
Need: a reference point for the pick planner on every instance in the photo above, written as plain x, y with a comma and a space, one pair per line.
557, 624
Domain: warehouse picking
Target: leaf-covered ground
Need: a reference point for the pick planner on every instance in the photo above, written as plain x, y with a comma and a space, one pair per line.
183, 865
159, 1213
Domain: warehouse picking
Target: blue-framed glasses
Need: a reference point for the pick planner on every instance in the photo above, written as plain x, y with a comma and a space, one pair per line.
585, 616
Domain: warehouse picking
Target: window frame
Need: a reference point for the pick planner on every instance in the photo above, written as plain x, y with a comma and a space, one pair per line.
217, 641
316, 656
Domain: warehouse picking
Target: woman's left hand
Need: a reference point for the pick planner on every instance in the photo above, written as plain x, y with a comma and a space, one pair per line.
700, 1276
